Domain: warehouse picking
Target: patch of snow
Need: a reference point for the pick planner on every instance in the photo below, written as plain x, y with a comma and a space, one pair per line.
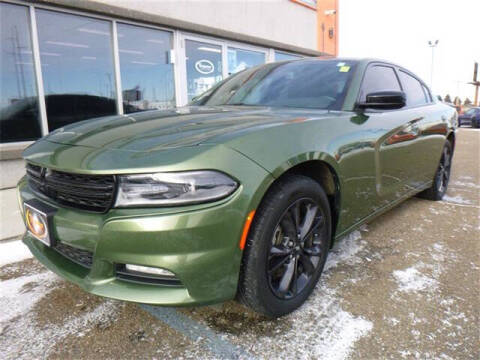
344, 250
20, 336
456, 199
321, 328
438, 247
13, 251
364, 227
331, 334
17, 342
411, 279
19, 295
393, 321
466, 184
339, 332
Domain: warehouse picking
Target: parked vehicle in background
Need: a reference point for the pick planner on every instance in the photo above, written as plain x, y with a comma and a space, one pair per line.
240, 194
470, 117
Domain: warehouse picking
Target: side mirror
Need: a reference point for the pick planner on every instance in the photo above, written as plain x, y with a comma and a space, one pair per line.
384, 100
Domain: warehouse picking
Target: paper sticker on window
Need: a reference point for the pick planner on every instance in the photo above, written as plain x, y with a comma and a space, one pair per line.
344, 68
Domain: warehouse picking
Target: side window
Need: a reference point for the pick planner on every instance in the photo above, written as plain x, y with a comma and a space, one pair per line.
378, 78
428, 94
413, 89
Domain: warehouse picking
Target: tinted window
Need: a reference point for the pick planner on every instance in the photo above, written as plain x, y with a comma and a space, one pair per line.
239, 59
378, 78
413, 89
147, 74
19, 115
308, 84
427, 93
77, 67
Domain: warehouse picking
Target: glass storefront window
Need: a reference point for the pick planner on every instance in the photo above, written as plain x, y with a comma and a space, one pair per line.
281, 56
77, 67
145, 67
239, 59
19, 115
204, 66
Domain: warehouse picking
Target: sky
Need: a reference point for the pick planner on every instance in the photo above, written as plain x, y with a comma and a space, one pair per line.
399, 31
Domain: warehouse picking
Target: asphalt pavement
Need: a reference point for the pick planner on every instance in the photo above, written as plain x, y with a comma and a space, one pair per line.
406, 286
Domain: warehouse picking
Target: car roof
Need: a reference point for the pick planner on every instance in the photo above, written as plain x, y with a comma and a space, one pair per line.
363, 62
346, 59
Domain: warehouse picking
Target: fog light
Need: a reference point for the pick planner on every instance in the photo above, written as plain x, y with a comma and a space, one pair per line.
149, 270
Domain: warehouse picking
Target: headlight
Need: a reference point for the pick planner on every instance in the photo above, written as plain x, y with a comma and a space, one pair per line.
175, 188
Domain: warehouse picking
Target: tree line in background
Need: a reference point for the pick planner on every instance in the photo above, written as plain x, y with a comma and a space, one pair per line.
457, 101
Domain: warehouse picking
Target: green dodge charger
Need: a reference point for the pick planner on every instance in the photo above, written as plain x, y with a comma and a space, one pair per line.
240, 194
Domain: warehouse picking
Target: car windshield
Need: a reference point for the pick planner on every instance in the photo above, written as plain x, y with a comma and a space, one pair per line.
470, 112
303, 83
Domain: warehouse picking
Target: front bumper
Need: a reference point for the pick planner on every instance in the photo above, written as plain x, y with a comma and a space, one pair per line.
198, 243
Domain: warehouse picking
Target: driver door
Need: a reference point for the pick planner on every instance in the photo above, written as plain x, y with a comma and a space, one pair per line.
395, 141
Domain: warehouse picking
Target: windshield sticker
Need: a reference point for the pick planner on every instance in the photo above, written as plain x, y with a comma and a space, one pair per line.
341, 64
344, 68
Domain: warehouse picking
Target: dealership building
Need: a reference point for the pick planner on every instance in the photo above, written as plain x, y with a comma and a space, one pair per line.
65, 61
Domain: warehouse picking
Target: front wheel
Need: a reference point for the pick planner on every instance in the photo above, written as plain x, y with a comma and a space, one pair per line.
286, 248
442, 176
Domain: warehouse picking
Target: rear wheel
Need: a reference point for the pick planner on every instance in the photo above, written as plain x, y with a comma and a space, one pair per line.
286, 248
442, 176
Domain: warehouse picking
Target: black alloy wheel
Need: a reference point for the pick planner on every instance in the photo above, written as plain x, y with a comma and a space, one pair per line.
443, 173
442, 176
287, 246
296, 247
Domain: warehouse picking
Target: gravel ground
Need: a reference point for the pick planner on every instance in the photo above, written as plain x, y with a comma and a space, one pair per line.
405, 286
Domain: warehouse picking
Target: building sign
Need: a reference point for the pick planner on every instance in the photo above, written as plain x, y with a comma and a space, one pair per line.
204, 67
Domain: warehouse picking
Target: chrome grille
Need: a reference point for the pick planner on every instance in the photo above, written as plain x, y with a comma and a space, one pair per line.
86, 192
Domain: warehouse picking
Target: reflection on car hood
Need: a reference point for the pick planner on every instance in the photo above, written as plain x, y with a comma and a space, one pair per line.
188, 126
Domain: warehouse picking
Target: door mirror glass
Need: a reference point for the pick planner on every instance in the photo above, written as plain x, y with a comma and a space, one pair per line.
386, 100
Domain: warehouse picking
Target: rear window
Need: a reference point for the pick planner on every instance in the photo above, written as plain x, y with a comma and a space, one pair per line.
413, 89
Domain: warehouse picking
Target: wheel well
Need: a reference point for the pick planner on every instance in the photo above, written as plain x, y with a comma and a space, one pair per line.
323, 174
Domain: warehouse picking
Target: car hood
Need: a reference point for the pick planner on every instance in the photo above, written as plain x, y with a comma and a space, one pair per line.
187, 126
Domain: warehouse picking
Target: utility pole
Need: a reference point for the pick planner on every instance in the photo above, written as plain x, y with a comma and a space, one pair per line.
433, 45
475, 83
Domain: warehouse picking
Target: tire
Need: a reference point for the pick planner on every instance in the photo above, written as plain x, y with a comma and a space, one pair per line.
442, 176
277, 250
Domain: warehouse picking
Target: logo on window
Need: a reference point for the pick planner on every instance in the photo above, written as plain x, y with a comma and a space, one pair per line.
204, 67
